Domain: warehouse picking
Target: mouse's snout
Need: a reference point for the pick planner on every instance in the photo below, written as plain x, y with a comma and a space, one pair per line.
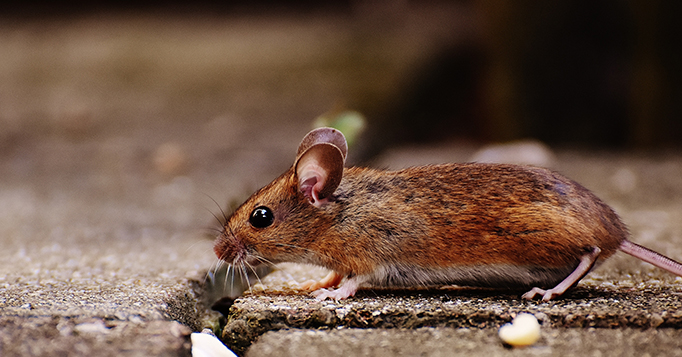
227, 248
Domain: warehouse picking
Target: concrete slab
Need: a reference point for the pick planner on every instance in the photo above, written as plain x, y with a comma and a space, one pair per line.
427, 341
81, 278
590, 306
91, 336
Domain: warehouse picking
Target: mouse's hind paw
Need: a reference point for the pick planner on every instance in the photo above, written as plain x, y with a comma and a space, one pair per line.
586, 263
546, 294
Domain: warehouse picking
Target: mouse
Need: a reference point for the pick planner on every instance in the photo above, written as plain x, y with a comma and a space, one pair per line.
465, 224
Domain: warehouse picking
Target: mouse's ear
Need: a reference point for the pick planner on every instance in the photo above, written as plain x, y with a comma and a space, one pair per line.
319, 164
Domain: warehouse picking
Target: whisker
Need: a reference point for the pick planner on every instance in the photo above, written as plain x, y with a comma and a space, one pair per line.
227, 274
230, 272
220, 264
213, 231
244, 274
225, 216
254, 272
209, 278
192, 246
210, 273
264, 260
220, 222
214, 269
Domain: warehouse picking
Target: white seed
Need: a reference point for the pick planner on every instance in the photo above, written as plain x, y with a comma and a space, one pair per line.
523, 331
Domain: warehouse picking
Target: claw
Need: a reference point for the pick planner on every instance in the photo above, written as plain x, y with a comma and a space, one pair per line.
546, 294
348, 289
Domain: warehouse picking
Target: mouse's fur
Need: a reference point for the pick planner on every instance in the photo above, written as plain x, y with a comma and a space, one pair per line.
468, 224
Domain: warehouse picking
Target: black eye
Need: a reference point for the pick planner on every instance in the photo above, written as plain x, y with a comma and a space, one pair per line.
261, 217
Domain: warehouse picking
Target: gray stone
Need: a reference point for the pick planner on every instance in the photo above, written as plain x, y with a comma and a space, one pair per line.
586, 307
441, 341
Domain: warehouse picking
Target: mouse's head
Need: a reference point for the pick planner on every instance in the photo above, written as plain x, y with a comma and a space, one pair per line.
283, 221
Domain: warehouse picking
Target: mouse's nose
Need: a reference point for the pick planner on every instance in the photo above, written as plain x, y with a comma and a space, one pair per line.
226, 247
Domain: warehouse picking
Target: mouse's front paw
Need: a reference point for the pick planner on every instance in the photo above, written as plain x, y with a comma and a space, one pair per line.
335, 294
346, 290
331, 280
324, 294
310, 285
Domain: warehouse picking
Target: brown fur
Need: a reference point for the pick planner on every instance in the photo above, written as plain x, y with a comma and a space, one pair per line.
431, 216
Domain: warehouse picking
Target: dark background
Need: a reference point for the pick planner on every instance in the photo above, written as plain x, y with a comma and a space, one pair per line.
601, 73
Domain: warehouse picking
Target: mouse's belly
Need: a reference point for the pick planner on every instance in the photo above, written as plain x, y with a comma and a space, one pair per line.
498, 276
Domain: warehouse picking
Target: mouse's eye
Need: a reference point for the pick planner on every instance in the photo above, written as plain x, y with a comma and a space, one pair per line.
261, 217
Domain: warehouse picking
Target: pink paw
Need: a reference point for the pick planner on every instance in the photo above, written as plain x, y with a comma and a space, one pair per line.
546, 294
346, 290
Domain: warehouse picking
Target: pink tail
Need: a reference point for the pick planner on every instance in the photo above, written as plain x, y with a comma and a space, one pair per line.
651, 257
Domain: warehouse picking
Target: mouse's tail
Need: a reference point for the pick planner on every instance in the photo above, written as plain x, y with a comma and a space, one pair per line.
651, 257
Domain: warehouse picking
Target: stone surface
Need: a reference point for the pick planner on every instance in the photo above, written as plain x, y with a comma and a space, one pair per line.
427, 341
590, 306
91, 336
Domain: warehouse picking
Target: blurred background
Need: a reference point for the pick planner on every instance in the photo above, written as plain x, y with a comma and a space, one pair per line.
603, 73
106, 95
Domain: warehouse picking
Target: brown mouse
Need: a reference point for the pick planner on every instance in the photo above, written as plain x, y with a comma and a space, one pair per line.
467, 224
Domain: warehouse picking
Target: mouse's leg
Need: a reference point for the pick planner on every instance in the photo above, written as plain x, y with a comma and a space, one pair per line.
347, 289
331, 280
586, 263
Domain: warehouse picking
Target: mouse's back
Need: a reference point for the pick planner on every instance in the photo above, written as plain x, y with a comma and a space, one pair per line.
471, 215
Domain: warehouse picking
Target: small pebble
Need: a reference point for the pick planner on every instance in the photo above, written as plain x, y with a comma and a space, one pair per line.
524, 330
